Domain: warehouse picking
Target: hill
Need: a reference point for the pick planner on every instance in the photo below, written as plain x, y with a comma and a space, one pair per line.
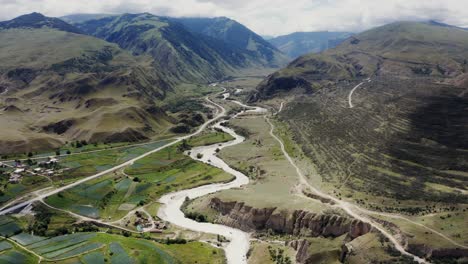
301, 43
37, 20
58, 86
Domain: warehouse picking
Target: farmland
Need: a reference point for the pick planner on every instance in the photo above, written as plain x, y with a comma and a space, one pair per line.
101, 247
114, 195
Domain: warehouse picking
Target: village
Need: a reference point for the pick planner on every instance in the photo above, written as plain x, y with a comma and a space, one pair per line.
19, 169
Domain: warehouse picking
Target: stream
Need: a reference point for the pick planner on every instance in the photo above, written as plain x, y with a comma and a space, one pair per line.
236, 250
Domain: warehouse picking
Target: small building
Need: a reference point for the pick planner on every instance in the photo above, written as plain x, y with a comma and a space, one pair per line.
37, 169
14, 178
19, 170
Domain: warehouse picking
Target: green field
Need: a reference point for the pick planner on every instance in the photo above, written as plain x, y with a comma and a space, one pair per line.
101, 247
112, 196
8, 226
90, 163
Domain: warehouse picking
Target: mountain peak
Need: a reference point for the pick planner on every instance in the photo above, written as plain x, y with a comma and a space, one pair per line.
38, 20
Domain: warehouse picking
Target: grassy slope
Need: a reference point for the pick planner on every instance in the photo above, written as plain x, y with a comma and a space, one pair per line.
60, 90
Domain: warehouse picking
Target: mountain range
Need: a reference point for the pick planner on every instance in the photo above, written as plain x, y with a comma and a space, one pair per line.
62, 81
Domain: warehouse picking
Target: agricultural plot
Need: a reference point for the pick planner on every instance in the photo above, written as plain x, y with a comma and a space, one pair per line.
112, 196
9, 227
119, 256
93, 258
14, 256
90, 163
65, 246
4, 245
27, 239
134, 250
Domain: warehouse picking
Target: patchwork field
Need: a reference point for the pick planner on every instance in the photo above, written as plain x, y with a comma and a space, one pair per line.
101, 248
113, 196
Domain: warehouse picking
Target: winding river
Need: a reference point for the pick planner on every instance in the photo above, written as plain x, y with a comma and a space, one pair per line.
236, 250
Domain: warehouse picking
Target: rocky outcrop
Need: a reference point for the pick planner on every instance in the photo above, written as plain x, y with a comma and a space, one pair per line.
298, 222
302, 248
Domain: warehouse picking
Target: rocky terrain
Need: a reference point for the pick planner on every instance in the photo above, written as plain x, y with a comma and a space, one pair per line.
297, 223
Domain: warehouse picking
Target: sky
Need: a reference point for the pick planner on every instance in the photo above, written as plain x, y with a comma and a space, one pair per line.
266, 17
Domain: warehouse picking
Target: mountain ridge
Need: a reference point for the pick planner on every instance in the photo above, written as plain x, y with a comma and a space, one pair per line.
37, 20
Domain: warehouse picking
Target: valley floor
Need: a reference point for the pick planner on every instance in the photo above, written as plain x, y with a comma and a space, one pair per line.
292, 214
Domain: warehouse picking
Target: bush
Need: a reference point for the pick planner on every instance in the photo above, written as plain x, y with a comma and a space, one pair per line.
180, 129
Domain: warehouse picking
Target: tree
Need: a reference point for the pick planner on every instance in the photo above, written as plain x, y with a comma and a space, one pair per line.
57, 152
68, 152
30, 154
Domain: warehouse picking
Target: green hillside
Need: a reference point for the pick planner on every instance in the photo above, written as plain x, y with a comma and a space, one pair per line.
60, 86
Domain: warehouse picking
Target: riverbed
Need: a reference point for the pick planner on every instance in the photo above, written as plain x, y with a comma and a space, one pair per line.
236, 250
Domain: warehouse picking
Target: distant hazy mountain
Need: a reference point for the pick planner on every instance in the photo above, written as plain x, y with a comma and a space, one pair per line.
79, 18
236, 36
300, 43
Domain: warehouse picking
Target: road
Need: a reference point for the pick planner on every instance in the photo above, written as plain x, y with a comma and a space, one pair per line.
352, 91
127, 163
87, 152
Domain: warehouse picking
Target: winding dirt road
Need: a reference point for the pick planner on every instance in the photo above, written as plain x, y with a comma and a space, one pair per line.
350, 209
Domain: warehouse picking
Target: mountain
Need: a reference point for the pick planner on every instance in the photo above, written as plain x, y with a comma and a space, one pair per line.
178, 52
58, 85
301, 43
403, 49
237, 36
36, 20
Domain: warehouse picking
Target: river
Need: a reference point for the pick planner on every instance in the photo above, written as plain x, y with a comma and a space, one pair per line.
236, 250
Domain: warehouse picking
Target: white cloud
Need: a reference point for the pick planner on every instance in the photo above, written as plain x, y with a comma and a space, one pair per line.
269, 17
